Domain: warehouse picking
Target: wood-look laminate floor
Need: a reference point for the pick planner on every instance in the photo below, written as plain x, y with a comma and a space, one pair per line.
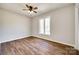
35, 46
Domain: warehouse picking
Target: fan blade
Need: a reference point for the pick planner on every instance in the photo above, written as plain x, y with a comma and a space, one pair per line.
34, 11
27, 5
36, 8
24, 9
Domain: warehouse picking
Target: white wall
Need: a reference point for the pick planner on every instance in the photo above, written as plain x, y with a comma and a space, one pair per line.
62, 25
13, 26
76, 26
78, 29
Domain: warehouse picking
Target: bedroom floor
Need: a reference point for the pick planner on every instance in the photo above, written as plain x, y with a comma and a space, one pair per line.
35, 46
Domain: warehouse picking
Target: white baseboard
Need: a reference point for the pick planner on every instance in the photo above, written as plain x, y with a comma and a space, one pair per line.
38, 37
54, 41
8, 40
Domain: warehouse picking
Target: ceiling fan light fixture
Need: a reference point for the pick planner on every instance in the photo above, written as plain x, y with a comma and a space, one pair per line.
30, 12
30, 9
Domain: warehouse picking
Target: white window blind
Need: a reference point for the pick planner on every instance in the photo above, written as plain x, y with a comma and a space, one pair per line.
44, 26
41, 26
47, 26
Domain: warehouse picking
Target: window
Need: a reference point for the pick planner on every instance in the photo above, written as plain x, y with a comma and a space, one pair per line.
41, 27
44, 26
47, 26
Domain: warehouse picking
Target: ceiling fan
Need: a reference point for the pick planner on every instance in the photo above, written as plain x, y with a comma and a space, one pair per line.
30, 8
